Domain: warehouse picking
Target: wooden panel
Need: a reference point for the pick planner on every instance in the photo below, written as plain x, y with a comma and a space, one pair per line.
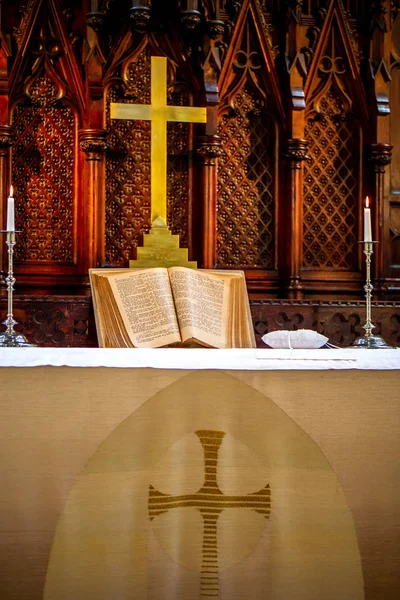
341, 322
43, 164
395, 128
179, 169
63, 321
128, 168
282, 81
246, 203
331, 181
68, 320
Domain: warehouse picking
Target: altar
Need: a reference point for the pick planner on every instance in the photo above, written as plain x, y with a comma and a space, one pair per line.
176, 474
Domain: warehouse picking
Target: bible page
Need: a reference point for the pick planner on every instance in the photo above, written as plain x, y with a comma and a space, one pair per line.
110, 328
201, 301
146, 304
241, 329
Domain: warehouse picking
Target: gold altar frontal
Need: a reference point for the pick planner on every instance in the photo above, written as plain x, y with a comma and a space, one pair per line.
160, 484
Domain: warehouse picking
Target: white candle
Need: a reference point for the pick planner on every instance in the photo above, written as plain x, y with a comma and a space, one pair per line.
367, 222
10, 212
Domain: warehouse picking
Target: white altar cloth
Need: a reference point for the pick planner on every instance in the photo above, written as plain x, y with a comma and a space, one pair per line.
200, 358
320, 427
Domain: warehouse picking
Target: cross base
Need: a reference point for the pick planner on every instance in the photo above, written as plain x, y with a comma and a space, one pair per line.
161, 249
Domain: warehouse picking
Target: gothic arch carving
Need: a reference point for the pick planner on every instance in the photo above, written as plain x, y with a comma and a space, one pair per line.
46, 102
248, 167
334, 130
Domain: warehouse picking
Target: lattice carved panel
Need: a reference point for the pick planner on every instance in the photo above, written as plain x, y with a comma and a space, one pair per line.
128, 170
245, 208
43, 166
331, 173
178, 172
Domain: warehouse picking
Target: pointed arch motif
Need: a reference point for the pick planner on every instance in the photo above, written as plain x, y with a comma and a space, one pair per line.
46, 106
248, 175
334, 125
128, 171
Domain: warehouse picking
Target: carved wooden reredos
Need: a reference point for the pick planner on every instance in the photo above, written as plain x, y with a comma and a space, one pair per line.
303, 105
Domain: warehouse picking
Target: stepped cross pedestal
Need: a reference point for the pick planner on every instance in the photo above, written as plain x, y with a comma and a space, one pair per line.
160, 248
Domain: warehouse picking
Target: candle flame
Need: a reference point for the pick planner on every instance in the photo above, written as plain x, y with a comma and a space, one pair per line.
367, 202
11, 191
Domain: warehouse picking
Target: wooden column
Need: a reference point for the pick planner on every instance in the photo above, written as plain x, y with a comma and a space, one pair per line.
296, 153
209, 146
381, 156
209, 149
93, 143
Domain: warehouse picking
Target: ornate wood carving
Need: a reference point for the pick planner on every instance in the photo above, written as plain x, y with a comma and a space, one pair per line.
296, 154
59, 321
209, 149
298, 96
331, 188
141, 16
128, 166
341, 322
247, 180
43, 172
45, 97
245, 230
180, 145
335, 120
381, 156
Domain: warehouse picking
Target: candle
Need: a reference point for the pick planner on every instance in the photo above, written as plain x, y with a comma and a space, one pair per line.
10, 212
367, 222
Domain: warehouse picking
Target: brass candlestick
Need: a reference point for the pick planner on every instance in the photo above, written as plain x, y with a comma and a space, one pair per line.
11, 338
369, 340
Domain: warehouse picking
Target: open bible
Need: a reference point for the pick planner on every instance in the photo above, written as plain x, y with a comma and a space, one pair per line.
152, 308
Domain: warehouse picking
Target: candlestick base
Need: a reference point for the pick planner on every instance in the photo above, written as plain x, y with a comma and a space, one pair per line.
372, 342
14, 340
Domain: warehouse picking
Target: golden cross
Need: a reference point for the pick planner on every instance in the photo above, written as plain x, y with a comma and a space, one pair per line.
159, 113
210, 501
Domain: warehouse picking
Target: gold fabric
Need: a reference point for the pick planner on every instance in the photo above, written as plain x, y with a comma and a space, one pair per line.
178, 485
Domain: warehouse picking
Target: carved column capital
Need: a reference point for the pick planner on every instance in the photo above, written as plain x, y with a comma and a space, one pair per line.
190, 19
140, 16
215, 29
296, 152
93, 142
6, 136
95, 20
209, 148
381, 156
395, 9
